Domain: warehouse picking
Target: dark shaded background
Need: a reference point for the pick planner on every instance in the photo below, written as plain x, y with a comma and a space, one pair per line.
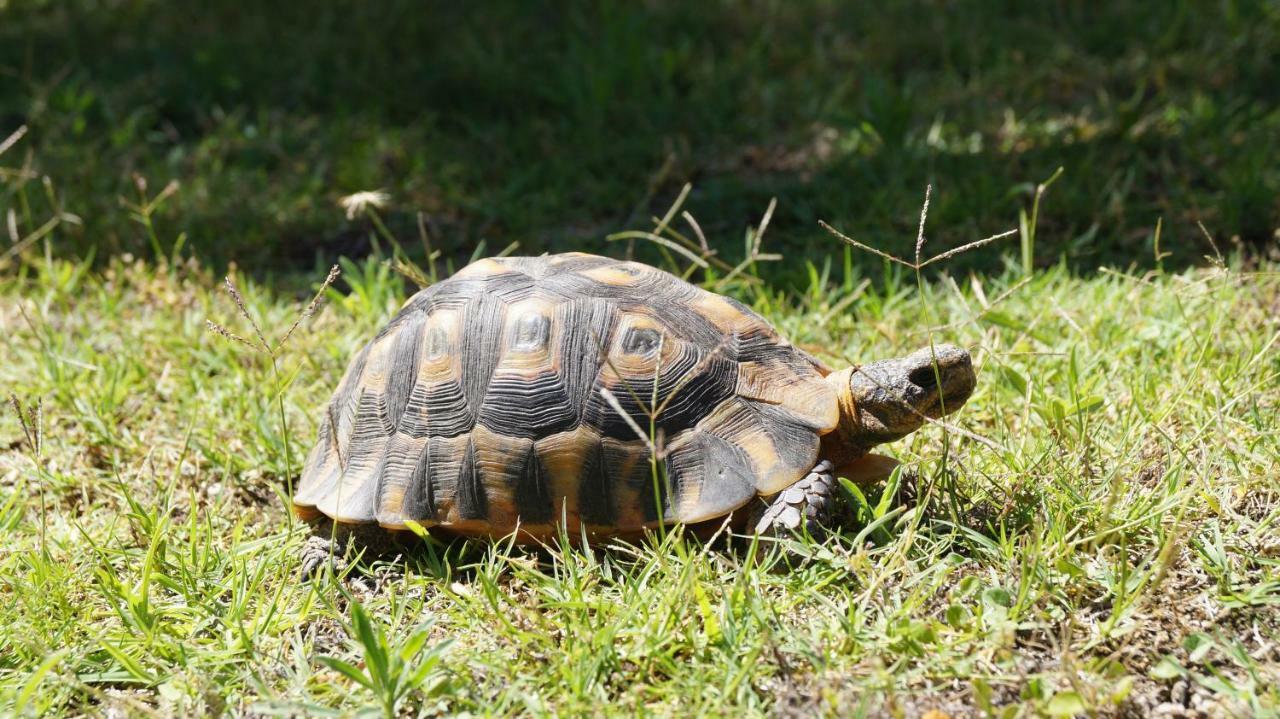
555, 124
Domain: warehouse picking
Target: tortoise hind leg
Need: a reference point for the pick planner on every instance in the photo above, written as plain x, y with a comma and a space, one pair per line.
805, 504
339, 545
326, 545
316, 551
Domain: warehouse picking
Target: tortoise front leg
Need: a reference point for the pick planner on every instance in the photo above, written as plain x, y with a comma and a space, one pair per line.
806, 503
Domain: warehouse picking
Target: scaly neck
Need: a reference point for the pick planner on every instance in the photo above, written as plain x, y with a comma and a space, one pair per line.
843, 444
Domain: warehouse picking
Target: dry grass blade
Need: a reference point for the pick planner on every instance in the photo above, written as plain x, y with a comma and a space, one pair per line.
754, 255
1217, 255
691, 374
697, 231
430, 253
228, 334
626, 417
924, 215
332, 414
311, 307
409, 272
671, 211
30, 420
642, 235
965, 248
918, 264
40, 233
244, 310
868, 248
165, 193
764, 225
12, 139
608, 360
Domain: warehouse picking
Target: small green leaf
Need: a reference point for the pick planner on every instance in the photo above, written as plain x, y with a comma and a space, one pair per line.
372, 641
1197, 645
1066, 704
859, 499
33, 681
129, 664
982, 692
1059, 409
346, 669
1088, 404
416, 528
889, 493
425, 667
997, 597
710, 622
1122, 690
414, 644
1069, 568
1168, 668
1015, 379
958, 615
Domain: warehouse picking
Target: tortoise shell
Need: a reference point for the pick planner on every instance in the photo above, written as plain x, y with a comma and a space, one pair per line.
482, 408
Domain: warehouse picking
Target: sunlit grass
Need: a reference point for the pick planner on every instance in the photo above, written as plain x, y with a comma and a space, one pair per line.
1105, 541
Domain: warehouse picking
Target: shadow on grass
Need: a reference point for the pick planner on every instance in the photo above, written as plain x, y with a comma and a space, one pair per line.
555, 125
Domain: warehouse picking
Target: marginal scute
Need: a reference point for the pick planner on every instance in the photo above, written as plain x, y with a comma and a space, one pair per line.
640, 493
482, 406
401, 461
708, 477
564, 457
532, 495
497, 472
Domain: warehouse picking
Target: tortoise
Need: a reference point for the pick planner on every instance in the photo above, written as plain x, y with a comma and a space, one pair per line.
530, 395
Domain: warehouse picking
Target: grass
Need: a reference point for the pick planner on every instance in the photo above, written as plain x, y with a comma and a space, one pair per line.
555, 127
1094, 534
1099, 538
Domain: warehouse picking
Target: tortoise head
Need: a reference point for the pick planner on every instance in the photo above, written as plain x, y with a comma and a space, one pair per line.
887, 400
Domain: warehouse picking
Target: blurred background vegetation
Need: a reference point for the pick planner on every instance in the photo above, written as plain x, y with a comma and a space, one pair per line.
555, 124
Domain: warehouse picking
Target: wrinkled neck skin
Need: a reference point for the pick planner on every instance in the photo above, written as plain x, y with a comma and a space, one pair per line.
887, 400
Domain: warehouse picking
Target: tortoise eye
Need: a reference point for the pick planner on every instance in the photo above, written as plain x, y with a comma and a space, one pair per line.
640, 341
530, 332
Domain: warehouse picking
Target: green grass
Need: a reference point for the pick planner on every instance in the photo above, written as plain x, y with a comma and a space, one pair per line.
554, 126
1108, 539
1094, 534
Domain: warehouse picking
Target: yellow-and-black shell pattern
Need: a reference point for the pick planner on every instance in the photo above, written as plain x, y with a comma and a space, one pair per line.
480, 407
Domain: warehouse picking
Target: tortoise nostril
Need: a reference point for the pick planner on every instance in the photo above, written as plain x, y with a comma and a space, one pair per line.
924, 377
